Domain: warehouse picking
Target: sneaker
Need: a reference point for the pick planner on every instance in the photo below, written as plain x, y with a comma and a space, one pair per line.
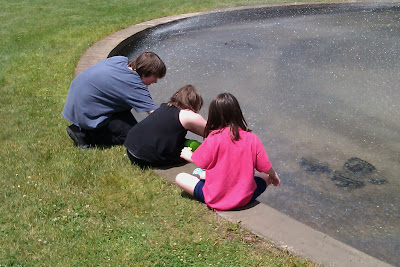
77, 136
198, 171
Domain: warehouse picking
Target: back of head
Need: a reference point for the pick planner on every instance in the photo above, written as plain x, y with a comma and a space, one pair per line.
187, 97
149, 63
225, 111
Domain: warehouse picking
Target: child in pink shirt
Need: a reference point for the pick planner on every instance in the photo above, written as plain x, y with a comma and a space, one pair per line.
229, 154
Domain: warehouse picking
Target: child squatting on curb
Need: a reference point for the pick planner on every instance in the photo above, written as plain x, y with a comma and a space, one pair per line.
230, 154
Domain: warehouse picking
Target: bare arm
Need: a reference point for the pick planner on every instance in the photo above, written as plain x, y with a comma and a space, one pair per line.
150, 111
186, 154
192, 121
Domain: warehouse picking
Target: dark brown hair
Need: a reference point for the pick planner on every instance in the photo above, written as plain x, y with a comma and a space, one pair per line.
148, 63
187, 98
225, 111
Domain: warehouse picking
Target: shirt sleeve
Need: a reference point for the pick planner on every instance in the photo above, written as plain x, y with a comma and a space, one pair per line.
202, 155
141, 100
262, 163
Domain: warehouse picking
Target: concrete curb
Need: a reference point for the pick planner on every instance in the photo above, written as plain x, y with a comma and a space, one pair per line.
289, 234
260, 219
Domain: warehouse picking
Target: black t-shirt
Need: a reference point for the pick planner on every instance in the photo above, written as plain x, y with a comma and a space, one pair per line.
159, 138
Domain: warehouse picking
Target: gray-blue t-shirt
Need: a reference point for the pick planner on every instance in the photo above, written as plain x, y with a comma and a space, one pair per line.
103, 89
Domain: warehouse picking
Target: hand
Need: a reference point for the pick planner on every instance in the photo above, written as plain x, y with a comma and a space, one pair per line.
274, 179
187, 153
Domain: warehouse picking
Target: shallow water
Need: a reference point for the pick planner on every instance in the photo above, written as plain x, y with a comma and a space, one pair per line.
319, 89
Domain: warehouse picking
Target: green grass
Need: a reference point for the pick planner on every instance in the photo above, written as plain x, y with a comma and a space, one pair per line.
62, 206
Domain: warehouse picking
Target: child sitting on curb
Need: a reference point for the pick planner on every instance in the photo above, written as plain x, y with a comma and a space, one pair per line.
229, 155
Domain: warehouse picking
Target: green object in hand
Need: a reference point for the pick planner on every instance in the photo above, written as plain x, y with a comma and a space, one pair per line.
193, 144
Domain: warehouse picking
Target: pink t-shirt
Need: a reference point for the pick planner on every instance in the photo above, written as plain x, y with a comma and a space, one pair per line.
230, 168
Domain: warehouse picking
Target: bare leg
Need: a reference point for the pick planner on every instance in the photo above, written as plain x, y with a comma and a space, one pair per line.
202, 175
187, 182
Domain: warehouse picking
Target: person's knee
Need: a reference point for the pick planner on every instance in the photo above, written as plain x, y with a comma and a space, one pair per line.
180, 178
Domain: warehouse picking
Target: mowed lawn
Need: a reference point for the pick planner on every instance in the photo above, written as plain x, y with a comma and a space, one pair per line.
63, 206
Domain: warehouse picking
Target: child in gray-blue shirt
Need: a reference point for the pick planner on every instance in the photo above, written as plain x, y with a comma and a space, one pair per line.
100, 99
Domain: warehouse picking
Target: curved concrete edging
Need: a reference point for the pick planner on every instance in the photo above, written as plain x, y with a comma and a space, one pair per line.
260, 219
